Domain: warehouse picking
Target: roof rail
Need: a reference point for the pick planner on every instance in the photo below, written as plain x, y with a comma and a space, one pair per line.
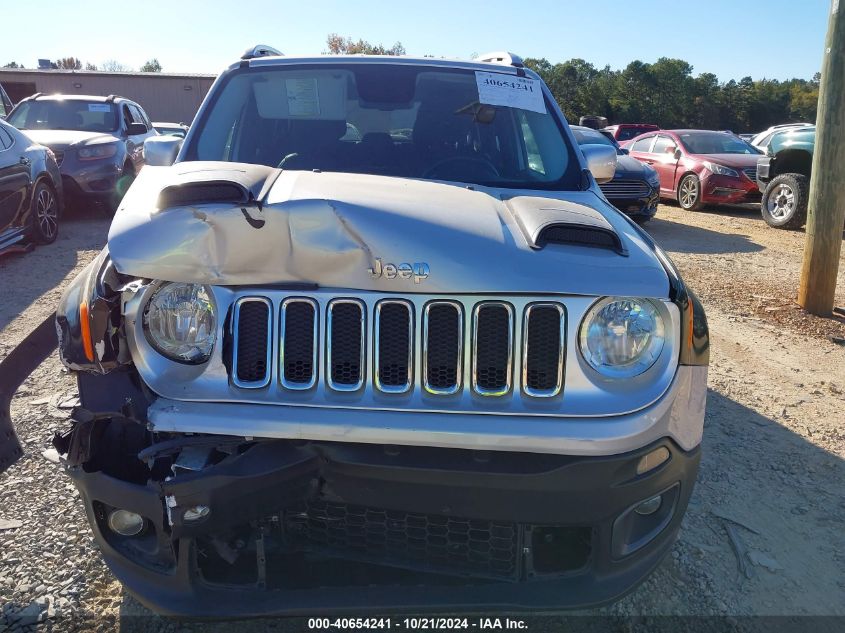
33, 97
501, 57
260, 50
111, 98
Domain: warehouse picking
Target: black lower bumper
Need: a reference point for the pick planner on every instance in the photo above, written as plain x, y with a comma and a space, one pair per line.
642, 207
315, 528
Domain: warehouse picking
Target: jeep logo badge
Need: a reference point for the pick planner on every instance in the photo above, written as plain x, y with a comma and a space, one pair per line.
418, 271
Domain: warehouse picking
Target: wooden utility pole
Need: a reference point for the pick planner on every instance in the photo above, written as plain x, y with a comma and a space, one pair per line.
826, 211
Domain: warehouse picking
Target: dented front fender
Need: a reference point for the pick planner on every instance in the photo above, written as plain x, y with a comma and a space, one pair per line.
88, 319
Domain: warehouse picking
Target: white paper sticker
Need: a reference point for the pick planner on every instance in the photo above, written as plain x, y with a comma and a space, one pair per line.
303, 99
99, 107
508, 90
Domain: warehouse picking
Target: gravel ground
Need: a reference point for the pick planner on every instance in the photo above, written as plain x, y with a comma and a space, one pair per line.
772, 478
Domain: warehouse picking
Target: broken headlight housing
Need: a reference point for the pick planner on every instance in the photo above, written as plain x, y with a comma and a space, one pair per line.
622, 337
180, 323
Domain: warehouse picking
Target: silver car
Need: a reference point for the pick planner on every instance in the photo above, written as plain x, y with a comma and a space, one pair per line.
423, 366
98, 141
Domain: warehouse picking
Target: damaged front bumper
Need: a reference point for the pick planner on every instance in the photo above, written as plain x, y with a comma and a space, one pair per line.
239, 527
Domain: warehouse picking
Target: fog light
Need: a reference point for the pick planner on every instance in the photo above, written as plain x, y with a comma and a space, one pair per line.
196, 513
125, 522
652, 460
649, 506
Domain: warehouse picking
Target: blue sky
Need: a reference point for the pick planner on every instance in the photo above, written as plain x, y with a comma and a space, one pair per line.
731, 38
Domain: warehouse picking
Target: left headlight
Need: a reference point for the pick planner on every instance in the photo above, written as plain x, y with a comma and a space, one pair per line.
94, 152
180, 324
721, 170
622, 337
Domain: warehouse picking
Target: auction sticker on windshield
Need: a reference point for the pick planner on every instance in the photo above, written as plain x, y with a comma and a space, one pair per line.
506, 90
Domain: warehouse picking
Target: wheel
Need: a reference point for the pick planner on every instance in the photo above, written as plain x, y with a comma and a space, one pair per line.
689, 193
784, 204
44, 216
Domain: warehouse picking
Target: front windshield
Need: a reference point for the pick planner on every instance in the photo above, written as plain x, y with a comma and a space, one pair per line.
66, 114
715, 143
587, 136
385, 119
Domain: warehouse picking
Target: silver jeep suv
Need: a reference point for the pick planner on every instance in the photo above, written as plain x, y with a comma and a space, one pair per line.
376, 340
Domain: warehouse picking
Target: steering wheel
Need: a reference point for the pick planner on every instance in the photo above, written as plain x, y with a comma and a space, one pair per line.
474, 160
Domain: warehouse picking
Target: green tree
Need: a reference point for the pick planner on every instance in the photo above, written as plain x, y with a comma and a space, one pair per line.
12, 65
151, 66
68, 63
340, 45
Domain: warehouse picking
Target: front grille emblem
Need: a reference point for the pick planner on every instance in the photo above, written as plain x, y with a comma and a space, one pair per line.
416, 271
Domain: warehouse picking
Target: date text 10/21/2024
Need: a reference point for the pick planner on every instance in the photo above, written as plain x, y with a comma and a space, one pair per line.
417, 623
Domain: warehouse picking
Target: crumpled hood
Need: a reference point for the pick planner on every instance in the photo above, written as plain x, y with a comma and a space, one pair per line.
60, 139
335, 230
737, 161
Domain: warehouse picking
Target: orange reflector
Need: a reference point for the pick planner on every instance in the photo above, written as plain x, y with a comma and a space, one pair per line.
652, 460
85, 329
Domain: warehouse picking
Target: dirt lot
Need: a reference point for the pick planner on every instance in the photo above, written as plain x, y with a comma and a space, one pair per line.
771, 486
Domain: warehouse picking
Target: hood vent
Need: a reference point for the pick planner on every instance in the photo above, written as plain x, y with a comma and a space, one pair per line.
580, 235
209, 192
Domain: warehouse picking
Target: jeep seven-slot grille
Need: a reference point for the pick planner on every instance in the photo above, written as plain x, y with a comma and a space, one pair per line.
443, 347
325, 344
543, 349
492, 348
298, 346
346, 344
252, 344
394, 345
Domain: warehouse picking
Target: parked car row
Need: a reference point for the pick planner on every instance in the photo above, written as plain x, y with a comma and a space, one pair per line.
54, 147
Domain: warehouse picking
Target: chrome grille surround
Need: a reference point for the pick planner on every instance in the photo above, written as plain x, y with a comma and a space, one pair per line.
426, 346
315, 344
252, 384
584, 394
477, 381
377, 342
331, 380
627, 188
543, 393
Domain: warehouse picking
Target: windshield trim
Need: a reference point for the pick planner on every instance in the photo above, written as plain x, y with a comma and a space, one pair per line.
570, 180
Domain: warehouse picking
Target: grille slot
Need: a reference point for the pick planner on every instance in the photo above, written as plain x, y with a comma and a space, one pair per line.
492, 349
298, 348
394, 339
751, 172
408, 539
251, 351
345, 345
443, 338
625, 189
543, 350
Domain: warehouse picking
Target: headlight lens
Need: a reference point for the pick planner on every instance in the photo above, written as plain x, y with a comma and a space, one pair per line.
622, 337
93, 152
721, 170
180, 324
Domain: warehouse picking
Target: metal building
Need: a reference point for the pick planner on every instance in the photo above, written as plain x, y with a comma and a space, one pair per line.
164, 96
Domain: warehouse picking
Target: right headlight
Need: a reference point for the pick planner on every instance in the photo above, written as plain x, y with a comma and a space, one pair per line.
622, 337
180, 324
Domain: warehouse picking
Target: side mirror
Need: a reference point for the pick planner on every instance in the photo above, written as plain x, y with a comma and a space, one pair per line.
136, 129
161, 151
601, 161
677, 154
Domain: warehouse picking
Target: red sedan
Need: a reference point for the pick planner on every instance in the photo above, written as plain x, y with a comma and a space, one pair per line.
699, 167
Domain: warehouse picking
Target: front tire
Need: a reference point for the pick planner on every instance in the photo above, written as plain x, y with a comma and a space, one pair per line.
784, 204
44, 215
689, 193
